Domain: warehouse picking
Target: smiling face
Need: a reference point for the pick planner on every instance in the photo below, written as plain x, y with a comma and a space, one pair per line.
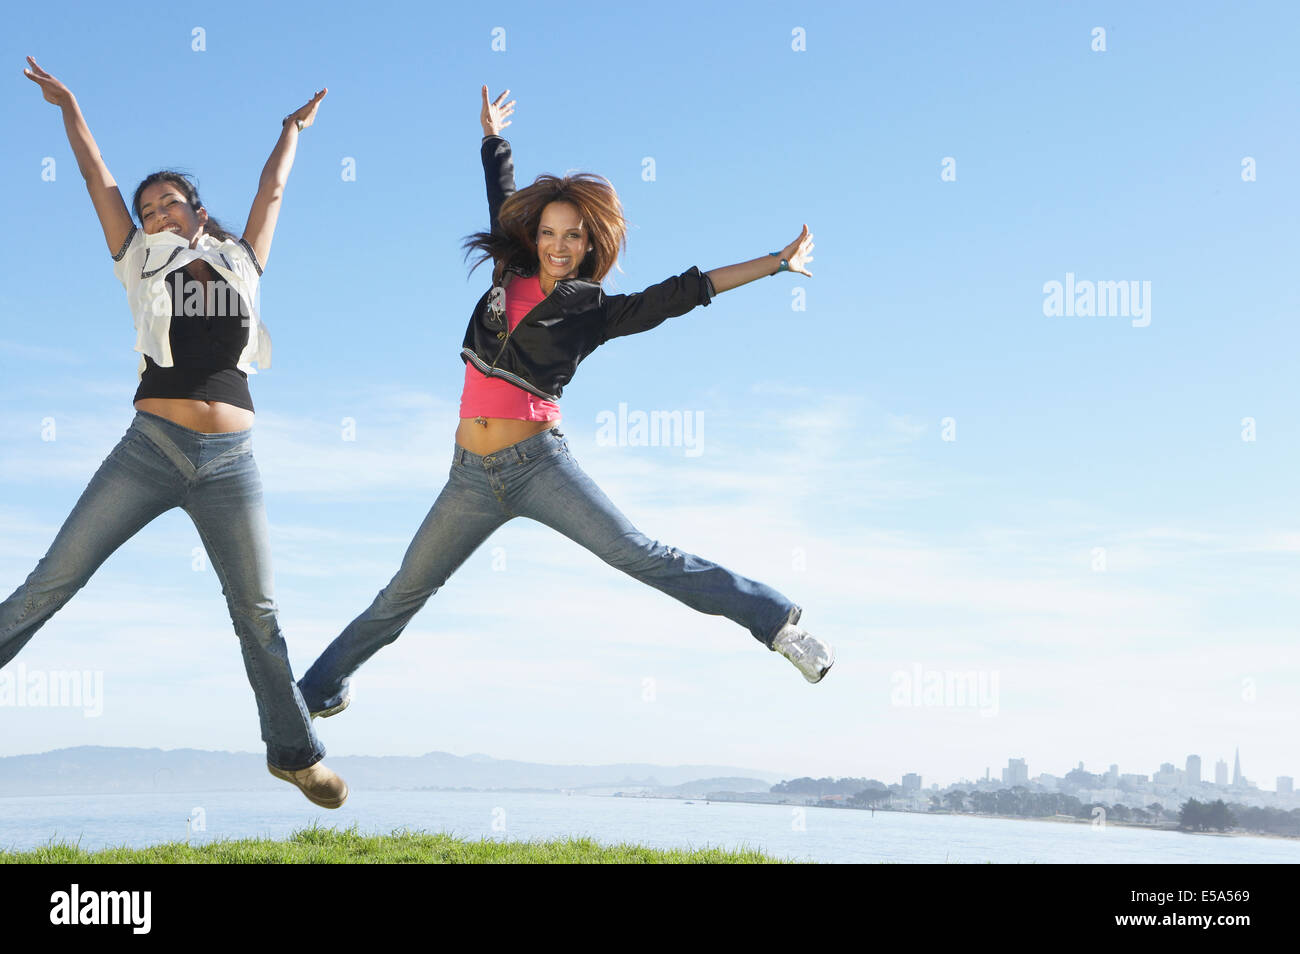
164, 208
562, 242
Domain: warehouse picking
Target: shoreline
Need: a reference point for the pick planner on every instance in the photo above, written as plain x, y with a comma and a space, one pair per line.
1063, 819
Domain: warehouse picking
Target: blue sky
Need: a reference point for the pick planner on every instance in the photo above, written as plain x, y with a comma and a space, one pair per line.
823, 468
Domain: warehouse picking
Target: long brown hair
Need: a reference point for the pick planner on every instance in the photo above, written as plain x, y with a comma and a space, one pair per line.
513, 238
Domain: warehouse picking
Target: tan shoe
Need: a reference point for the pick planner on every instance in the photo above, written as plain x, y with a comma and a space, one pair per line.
326, 713
318, 783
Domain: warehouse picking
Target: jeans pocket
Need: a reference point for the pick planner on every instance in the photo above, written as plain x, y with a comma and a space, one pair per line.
140, 446
128, 440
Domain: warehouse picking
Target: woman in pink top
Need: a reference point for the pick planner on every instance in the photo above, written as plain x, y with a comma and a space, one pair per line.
551, 245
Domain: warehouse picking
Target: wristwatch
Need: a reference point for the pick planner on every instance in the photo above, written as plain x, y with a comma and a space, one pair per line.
785, 263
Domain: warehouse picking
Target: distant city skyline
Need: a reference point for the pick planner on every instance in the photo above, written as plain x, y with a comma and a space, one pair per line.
1016, 772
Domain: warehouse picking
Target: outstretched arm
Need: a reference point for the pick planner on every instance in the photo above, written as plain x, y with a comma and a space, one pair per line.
104, 193
798, 253
275, 175
498, 165
632, 314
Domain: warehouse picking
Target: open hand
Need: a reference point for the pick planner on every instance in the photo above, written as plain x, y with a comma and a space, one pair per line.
306, 114
494, 116
54, 91
799, 252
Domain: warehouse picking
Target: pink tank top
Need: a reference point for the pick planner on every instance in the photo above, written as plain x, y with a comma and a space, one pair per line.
492, 397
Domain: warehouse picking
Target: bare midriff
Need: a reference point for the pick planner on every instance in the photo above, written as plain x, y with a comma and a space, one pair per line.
208, 417
487, 435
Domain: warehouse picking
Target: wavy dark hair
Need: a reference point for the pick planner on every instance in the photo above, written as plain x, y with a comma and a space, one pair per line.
513, 238
187, 188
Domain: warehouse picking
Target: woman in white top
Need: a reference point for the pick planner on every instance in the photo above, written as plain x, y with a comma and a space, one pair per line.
189, 445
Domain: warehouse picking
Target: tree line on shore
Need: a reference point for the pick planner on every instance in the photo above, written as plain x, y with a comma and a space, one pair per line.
1018, 801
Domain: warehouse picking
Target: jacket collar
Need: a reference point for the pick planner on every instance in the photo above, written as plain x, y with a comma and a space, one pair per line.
163, 249
205, 243
523, 272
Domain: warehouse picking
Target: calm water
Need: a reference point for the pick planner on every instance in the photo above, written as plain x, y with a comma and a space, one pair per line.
812, 834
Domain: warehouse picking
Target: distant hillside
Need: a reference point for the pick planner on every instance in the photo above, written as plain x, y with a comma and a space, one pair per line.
101, 770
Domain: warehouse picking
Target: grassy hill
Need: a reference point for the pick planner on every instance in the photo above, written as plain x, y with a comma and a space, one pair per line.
330, 846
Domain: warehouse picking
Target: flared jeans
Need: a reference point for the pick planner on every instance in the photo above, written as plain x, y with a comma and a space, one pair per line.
156, 466
536, 478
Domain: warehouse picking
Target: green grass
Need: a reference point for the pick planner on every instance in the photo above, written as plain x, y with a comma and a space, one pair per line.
317, 845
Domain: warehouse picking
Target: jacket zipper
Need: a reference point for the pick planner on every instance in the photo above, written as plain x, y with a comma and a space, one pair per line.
510, 331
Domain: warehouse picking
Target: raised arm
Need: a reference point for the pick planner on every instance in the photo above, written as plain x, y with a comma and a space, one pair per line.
104, 193
797, 254
275, 175
498, 165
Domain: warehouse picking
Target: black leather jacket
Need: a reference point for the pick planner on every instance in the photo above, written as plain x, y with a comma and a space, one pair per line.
542, 353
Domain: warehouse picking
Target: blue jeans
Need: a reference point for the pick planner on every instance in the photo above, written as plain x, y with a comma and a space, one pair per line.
536, 478
156, 466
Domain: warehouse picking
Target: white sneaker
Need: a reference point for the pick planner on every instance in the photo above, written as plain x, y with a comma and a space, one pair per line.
810, 655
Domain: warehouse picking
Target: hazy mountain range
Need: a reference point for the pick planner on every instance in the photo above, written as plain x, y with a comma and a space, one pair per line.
88, 770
